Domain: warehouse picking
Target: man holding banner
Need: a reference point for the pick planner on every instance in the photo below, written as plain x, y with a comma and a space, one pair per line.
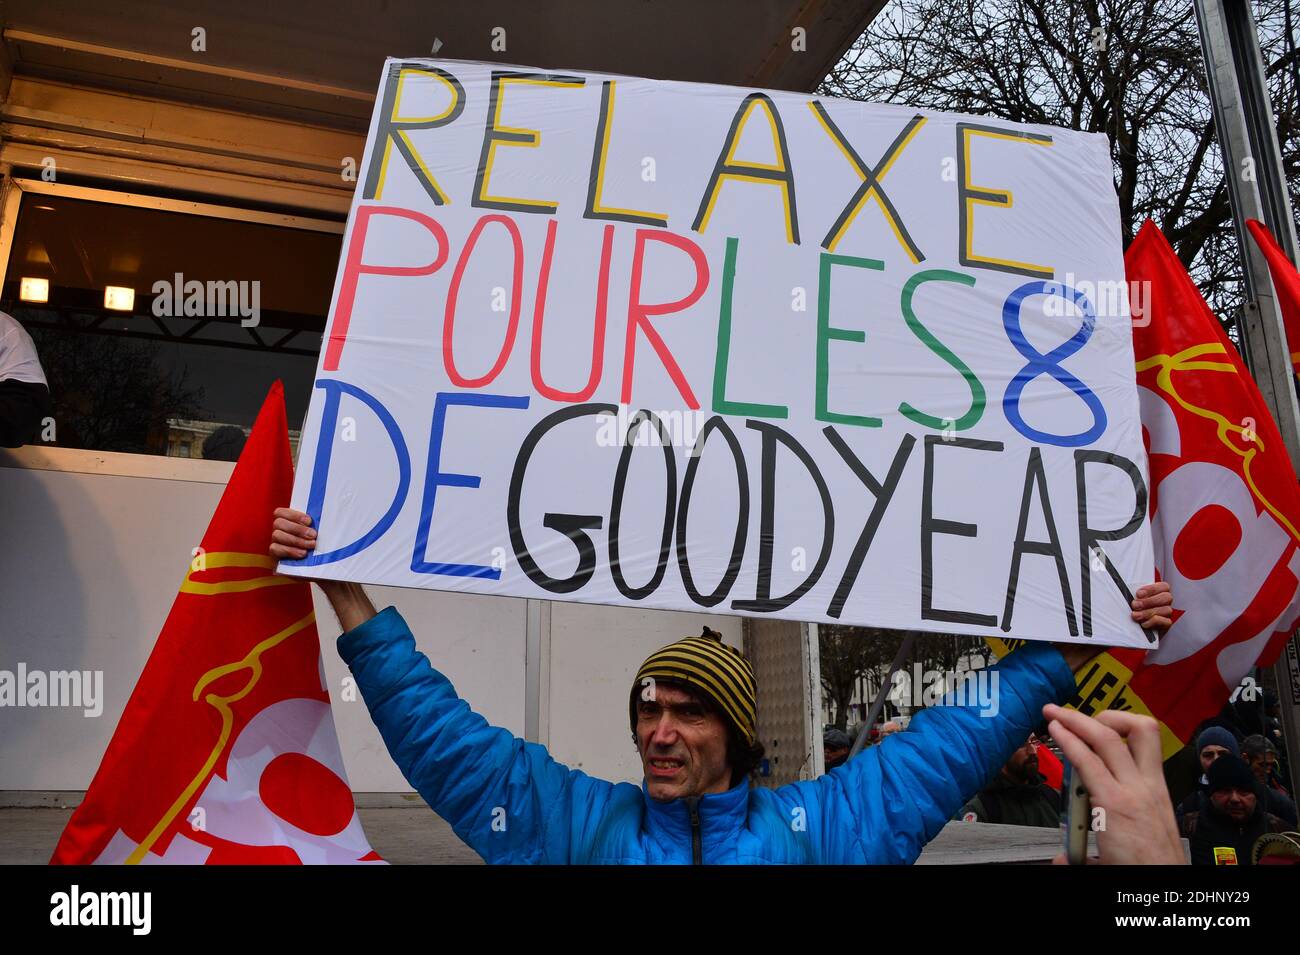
692, 711
812, 360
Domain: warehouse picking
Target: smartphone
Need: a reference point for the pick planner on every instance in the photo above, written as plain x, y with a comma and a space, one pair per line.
1078, 819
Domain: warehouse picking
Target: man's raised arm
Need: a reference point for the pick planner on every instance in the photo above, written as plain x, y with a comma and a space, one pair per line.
292, 537
507, 799
890, 800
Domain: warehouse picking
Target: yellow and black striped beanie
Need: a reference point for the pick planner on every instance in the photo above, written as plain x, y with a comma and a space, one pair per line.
711, 668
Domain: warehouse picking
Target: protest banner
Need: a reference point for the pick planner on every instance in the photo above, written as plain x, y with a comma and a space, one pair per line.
692, 347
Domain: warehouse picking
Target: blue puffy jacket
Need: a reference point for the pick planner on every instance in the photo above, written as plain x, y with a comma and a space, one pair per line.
512, 803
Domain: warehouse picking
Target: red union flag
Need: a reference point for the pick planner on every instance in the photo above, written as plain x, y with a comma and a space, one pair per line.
1225, 503
1225, 508
226, 752
1286, 282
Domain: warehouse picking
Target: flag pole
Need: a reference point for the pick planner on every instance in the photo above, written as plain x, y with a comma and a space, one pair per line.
878, 704
1257, 188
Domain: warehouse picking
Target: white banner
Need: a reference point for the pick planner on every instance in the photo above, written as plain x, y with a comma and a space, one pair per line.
876, 363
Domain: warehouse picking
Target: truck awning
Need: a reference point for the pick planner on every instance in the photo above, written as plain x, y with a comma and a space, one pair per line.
319, 60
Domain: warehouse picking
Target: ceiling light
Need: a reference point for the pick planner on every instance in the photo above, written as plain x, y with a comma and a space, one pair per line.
118, 298
34, 290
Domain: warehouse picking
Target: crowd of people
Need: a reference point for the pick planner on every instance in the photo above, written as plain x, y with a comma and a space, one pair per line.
1239, 796
1227, 792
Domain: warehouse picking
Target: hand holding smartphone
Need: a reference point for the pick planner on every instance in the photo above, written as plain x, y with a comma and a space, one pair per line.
1116, 765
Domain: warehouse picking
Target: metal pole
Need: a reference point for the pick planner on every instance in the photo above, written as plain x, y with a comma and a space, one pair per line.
1253, 168
901, 657
1252, 162
537, 671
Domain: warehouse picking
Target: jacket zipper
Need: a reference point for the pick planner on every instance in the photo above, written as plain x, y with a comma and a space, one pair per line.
697, 849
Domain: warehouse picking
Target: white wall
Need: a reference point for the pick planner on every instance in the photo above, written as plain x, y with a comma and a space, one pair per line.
90, 565
477, 642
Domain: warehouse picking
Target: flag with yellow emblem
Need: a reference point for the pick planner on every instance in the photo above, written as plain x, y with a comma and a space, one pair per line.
226, 751
1225, 508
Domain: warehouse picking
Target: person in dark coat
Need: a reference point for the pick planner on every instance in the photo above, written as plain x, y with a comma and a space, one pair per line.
1018, 796
1261, 757
1229, 817
836, 745
1212, 743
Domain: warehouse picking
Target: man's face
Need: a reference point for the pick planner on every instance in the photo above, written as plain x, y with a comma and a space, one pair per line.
1262, 764
683, 746
1023, 764
1209, 754
1237, 804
